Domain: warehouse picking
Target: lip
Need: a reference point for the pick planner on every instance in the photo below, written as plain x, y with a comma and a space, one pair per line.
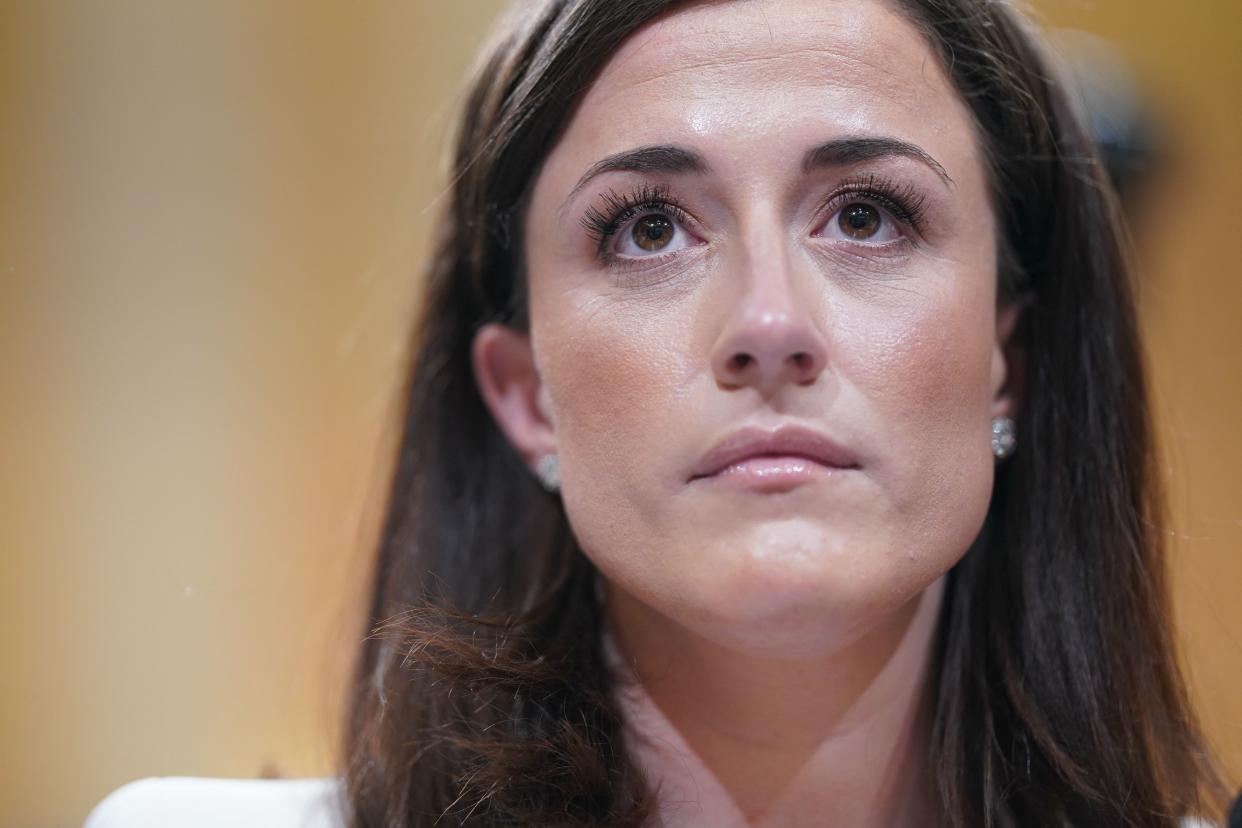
774, 459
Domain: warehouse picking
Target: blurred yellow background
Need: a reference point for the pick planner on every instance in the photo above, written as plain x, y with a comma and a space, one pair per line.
212, 218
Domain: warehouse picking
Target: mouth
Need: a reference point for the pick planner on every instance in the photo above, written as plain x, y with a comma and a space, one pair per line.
773, 461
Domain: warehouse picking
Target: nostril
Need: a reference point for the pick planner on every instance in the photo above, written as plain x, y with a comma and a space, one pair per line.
740, 361
802, 360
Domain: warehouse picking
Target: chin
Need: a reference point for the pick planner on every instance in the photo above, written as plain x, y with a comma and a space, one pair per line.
786, 599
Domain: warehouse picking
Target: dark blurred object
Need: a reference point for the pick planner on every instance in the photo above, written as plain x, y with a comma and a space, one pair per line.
1113, 109
1235, 813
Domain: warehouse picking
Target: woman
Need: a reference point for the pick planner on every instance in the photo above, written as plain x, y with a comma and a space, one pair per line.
758, 290
850, 239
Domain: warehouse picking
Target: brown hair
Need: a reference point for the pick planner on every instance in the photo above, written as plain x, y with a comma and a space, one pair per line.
481, 695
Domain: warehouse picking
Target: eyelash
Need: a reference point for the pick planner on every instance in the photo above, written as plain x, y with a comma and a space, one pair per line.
903, 202
602, 223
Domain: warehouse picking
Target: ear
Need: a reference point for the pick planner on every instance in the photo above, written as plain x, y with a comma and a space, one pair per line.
509, 382
1009, 359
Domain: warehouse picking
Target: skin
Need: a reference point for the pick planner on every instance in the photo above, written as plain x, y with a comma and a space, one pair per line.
778, 641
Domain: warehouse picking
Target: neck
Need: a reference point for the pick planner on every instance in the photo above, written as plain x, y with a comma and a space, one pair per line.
733, 740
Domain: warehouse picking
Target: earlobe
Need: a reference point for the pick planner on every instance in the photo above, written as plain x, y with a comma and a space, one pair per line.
512, 389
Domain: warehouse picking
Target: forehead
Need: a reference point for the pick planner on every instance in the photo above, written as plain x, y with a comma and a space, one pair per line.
783, 42
737, 73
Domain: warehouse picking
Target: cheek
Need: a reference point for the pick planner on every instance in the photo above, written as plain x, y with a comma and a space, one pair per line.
614, 381
927, 383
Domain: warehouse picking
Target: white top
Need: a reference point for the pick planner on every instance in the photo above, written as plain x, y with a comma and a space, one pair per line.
192, 802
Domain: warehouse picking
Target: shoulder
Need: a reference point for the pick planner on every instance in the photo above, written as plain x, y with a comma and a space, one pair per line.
195, 802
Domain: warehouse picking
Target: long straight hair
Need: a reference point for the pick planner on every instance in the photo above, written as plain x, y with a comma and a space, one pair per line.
481, 696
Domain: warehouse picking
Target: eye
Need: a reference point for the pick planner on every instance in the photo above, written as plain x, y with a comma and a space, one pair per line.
874, 211
651, 233
859, 221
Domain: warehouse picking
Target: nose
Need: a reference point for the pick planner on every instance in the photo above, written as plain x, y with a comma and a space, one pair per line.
770, 339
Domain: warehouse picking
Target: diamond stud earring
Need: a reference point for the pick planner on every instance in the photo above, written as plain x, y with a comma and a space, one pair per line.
1004, 437
548, 470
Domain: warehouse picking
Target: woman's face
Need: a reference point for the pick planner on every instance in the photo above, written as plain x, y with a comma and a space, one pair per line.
766, 220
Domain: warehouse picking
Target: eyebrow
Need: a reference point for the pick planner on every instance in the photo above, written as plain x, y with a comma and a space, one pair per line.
842, 152
663, 158
839, 152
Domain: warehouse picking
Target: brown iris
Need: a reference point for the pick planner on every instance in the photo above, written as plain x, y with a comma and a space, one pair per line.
859, 221
653, 232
